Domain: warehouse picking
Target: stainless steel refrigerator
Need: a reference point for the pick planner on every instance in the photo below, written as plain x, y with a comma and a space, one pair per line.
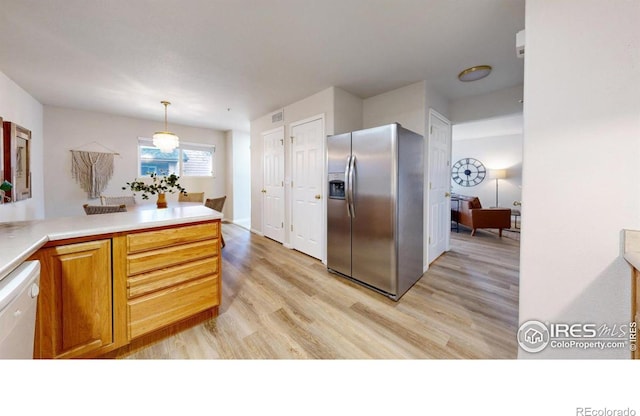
375, 207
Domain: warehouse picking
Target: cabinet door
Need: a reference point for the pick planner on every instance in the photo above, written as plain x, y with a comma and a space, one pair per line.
75, 302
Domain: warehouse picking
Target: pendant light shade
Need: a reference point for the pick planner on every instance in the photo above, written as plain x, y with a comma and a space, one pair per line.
165, 140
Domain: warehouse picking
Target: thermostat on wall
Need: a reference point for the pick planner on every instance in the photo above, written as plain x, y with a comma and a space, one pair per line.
520, 44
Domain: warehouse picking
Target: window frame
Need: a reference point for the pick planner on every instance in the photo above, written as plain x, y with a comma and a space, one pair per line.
148, 142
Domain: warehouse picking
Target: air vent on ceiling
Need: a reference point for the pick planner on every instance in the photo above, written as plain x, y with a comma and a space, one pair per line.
277, 117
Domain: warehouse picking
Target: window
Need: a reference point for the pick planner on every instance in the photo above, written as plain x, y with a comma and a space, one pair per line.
189, 159
197, 160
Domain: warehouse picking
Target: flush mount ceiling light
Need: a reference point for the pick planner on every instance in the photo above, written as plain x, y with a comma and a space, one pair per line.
474, 73
165, 140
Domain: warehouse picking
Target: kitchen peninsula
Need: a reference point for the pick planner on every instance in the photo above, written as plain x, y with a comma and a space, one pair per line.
114, 280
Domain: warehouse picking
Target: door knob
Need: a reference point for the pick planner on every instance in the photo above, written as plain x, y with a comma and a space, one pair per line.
447, 194
318, 196
264, 191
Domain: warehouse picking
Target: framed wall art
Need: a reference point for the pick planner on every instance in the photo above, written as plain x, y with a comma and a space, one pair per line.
17, 160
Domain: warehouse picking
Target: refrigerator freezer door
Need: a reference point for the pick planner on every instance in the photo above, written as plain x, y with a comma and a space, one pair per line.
373, 226
338, 219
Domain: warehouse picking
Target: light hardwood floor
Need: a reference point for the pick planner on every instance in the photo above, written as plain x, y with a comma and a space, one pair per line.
280, 304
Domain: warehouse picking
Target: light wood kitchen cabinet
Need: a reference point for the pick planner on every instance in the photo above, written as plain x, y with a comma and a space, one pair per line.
98, 293
632, 255
74, 317
635, 308
172, 274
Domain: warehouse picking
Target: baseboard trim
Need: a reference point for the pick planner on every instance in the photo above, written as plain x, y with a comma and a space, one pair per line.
256, 232
287, 245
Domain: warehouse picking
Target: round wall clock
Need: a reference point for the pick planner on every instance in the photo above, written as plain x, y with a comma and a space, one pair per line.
468, 172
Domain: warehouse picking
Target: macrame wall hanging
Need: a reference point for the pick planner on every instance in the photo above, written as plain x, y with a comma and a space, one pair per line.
92, 170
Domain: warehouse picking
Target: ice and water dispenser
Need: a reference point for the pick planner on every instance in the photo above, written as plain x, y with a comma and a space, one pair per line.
336, 185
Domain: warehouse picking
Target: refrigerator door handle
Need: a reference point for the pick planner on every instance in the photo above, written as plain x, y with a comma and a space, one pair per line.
352, 168
346, 180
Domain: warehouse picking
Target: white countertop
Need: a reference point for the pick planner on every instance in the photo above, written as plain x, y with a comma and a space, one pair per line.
633, 259
19, 240
632, 248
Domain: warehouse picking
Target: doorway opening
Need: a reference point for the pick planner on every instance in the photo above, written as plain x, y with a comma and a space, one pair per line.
490, 151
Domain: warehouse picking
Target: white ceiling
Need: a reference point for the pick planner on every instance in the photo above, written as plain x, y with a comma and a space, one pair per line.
252, 56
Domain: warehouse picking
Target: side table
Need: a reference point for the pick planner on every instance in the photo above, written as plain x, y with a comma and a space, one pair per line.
515, 213
455, 214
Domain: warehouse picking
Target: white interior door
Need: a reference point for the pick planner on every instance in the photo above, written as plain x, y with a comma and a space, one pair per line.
439, 221
273, 191
307, 176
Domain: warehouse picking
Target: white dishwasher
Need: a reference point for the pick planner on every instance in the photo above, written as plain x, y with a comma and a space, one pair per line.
18, 300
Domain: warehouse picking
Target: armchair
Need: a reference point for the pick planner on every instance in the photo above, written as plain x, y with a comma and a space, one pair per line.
473, 216
217, 204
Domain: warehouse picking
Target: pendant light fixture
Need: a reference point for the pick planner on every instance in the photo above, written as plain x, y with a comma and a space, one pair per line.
165, 140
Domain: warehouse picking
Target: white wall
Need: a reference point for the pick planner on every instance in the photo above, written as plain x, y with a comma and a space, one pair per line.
405, 105
68, 129
239, 177
497, 152
581, 154
228, 182
433, 99
17, 106
484, 106
348, 111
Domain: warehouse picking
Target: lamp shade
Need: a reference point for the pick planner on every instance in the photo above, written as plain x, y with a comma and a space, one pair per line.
497, 174
165, 141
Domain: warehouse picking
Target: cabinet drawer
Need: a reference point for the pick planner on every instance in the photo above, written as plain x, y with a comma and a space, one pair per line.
145, 283
170, 256
170, 236
159, 309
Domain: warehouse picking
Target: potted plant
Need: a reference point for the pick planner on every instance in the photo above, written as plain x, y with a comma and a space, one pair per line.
159, 185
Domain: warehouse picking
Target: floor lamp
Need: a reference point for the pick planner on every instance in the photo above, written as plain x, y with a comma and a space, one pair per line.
497, 174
